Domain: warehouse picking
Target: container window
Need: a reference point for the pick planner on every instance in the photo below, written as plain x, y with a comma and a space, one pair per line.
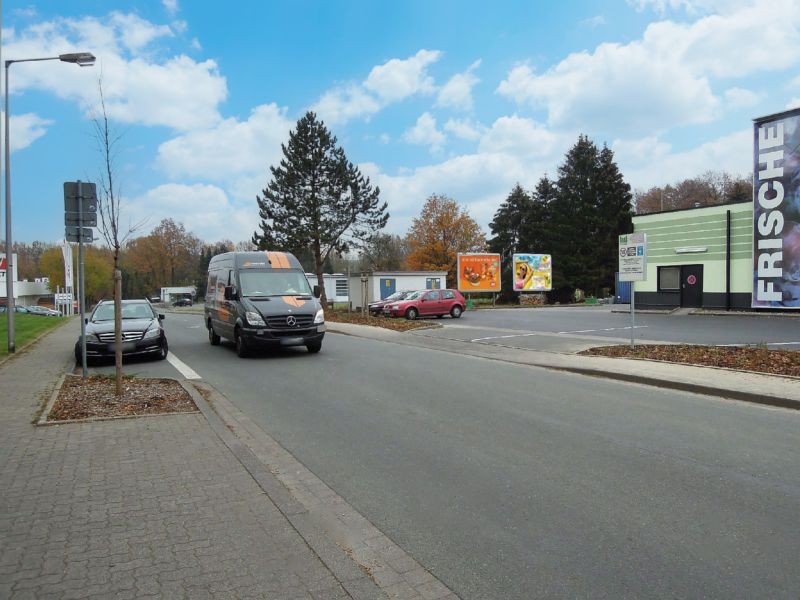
669, 279
341, 287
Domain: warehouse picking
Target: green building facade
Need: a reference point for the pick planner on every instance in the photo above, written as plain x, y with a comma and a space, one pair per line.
699, 257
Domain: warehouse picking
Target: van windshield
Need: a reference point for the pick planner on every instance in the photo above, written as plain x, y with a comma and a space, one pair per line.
273, 283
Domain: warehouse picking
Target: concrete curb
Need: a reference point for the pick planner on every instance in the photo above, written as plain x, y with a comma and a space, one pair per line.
340, 536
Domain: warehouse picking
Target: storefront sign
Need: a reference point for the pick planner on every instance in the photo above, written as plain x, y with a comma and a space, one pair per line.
776, 211
633, 257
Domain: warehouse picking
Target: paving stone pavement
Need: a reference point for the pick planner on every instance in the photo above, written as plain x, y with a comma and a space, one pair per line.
137, 508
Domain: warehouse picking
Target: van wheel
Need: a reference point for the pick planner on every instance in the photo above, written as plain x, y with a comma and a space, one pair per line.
241, 344
411, 313
314, 347
455, 312
212, 337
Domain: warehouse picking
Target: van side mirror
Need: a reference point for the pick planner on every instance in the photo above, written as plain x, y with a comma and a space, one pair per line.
231, 293
317, 291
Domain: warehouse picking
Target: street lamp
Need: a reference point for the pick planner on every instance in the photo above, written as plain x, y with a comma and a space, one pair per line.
82, 59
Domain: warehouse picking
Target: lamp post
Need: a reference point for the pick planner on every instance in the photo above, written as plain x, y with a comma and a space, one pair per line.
83, 59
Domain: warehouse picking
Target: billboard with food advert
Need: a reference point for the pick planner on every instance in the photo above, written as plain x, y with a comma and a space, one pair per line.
776, 211
532, 272
478, 272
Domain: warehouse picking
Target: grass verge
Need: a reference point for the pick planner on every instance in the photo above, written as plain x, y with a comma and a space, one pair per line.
27, 329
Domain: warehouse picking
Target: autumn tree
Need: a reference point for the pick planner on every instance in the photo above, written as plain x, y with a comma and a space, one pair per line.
97, 271
169, 256
317, 199
385, 252
708, 189
28, 257
442, 230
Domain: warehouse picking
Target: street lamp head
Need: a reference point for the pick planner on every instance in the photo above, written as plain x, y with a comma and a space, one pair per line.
83, 59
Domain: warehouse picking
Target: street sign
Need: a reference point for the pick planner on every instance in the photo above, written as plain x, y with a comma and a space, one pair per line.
63, 298
88, 191
633, 257
76, 234
89, 218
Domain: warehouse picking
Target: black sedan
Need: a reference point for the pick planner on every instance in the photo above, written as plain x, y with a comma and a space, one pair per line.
142, 331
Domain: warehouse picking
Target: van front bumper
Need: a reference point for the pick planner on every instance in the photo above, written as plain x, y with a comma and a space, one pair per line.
261, 336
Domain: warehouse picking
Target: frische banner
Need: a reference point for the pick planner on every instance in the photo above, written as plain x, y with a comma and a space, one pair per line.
776, 211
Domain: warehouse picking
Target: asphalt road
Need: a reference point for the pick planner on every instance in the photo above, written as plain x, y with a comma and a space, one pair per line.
516, 482
571, 329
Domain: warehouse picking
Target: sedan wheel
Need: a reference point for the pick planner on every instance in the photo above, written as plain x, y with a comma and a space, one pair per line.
162, 354
412, 314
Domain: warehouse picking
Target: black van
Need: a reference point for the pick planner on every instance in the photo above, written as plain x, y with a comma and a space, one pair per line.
260, 299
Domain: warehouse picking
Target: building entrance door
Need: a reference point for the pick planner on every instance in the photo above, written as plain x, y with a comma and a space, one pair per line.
692, 285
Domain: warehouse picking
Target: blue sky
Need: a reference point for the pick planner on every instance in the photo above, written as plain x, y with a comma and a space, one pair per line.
463, 99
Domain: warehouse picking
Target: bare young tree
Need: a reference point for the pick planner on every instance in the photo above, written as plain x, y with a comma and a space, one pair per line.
108, 205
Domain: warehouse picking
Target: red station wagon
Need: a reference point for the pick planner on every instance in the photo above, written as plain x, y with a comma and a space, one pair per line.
428, 303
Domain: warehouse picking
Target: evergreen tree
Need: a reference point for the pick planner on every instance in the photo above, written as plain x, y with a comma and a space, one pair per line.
591, 208
535, 235
317, 199
614, 211
506, 228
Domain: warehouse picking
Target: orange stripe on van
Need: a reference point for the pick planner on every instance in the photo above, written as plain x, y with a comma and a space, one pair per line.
278, 260
294, 301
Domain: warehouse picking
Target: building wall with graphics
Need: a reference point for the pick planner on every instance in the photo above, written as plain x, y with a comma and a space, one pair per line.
697, 236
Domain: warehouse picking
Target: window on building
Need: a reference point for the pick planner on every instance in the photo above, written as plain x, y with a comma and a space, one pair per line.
341, 287
669, 279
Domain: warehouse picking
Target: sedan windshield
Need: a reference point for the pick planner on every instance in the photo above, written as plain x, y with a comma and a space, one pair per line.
105, 312
274, 283
414, 295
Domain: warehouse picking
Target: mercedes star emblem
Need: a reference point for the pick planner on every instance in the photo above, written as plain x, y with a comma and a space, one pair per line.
291, 321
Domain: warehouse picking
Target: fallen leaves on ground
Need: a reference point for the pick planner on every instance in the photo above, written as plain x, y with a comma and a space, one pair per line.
95, 396
762, 360
395, 324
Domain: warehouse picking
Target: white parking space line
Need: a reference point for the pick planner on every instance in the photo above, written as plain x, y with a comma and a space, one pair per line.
503, 337
609, 329
182, 367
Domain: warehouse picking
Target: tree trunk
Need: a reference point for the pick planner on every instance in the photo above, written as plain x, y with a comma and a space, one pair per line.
319, 264
118, 331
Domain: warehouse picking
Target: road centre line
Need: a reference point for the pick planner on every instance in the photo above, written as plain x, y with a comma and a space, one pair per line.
182, 367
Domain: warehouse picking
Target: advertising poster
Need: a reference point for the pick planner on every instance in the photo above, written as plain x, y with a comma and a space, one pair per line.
776, 211
478, 272
533, 272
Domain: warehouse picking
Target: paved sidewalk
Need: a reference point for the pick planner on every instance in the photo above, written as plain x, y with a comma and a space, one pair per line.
139, 508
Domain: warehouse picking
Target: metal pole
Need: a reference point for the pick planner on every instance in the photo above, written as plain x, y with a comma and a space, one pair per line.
9, 246
81, 289
633, 313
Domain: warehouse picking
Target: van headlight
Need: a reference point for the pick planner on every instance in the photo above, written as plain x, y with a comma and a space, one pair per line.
319, 317
254, 318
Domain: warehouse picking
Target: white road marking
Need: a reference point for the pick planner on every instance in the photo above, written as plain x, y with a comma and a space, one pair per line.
194, 327
182, 367
609, 329
745, 344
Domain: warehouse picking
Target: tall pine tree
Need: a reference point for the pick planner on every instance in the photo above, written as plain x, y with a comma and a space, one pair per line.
317, 199
506, 228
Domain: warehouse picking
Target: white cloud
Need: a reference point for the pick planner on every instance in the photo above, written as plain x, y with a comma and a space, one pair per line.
230, 148
391, 82
594, 22
135, 33
204, 210
663, 79
649, 162
171, 6
424, 133
741, 98
793, 103
457, 92
520, 137
179, 92
463, 129
398, 79
25, 129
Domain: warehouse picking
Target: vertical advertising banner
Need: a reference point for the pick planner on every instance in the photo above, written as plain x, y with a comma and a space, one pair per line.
532, 272
478, 272
66, 251
776, 211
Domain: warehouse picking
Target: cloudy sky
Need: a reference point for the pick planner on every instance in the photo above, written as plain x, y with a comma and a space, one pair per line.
457, 98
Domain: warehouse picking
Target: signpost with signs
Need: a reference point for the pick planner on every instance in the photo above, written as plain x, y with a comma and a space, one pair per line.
80, 215
633, 265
